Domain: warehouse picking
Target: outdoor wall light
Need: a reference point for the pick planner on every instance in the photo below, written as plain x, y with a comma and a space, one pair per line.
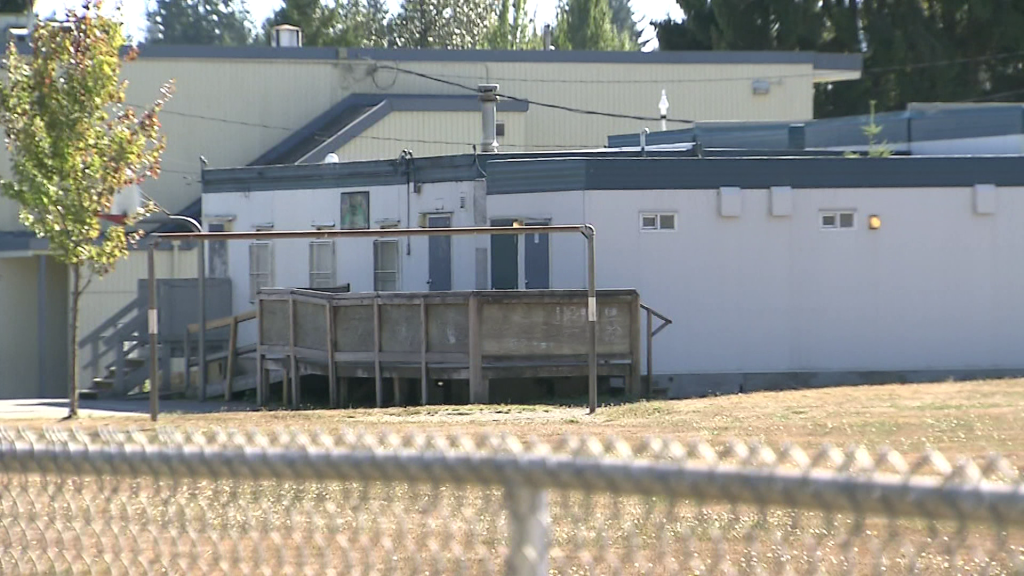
874, 222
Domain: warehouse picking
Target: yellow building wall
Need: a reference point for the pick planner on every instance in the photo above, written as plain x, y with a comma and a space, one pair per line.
19, 350
232, 110
109, 294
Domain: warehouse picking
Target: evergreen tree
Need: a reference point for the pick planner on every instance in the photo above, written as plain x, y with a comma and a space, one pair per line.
224, 22
622, 17
459, 24
513, 29
351, 23
914, 50
587, 25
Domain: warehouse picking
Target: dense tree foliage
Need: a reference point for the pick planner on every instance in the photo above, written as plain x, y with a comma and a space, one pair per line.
587, 25
459, 24
914, 50
224, 22
344, 23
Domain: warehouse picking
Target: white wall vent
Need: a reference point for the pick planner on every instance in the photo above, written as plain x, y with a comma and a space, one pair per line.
730, 202
984, 199
782, 201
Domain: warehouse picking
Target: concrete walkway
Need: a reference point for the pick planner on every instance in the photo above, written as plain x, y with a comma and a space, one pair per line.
55, 409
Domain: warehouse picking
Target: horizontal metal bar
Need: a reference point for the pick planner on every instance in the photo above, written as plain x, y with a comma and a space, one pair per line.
224, 322
886, 495
584, 229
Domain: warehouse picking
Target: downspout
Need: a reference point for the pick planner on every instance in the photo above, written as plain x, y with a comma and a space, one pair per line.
407, 160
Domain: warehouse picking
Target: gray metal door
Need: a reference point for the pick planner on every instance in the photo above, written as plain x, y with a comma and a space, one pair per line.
504, 259
440, 253
538, 261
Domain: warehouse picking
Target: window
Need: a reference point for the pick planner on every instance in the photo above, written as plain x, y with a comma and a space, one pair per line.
355, 210
261, 268
321, 264
385, 265
837, 219
655, 221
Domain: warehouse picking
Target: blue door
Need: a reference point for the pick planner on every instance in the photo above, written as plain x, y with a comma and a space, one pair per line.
504, 259
439, 251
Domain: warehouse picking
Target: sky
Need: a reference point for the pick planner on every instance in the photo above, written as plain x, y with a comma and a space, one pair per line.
134, 12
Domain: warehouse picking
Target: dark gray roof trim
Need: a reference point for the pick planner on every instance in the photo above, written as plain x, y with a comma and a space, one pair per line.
452, 168
22, 241
852, 62
819, 60
518, 176
898, 128
239, 52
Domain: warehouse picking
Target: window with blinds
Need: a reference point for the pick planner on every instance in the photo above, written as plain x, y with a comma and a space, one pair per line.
261, 268
322, 264
385, 265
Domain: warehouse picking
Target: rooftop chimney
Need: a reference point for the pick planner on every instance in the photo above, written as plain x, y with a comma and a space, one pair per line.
286, 36
488, 108
547, 37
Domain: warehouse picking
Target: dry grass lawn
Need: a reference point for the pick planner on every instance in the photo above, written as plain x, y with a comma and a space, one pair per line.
957, 418
236, 526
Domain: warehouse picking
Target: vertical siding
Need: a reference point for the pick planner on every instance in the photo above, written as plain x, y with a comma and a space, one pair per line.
300, 209
109, 294
19, 377
231, 111
936, 288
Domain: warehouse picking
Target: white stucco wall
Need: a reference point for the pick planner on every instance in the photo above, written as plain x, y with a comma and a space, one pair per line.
306, 209
937, 287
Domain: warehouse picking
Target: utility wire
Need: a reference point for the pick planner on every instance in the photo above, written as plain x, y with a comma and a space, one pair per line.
538, 103
440, 78
872, 70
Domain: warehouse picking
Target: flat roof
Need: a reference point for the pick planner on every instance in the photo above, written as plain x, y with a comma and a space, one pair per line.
919, 123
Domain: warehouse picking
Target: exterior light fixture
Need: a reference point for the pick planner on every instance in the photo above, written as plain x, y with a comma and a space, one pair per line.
874, 222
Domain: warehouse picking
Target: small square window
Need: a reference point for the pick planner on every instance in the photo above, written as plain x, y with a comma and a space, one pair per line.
838, 219
658, 221
499, 129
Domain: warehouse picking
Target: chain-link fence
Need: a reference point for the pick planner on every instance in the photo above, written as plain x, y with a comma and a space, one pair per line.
227, 502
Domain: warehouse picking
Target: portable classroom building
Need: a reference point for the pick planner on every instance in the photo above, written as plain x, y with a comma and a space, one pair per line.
778, 272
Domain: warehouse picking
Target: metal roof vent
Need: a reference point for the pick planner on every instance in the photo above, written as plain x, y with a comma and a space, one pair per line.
286, 36
489, 109
331, 158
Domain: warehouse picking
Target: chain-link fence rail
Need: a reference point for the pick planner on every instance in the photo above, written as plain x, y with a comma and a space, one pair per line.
228, 502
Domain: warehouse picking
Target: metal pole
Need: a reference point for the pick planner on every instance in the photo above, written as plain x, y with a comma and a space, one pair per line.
154, 393
202, 321
588, 233
529, 530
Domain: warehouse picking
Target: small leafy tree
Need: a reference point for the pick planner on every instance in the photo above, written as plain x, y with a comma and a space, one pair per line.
74, 144
872, 130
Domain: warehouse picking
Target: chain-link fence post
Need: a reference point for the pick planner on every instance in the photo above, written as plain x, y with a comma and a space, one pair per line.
528, 527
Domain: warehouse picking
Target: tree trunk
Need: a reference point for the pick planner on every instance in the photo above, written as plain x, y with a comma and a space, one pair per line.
73, 343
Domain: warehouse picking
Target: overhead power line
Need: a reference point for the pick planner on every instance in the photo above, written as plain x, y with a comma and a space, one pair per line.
538, 103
